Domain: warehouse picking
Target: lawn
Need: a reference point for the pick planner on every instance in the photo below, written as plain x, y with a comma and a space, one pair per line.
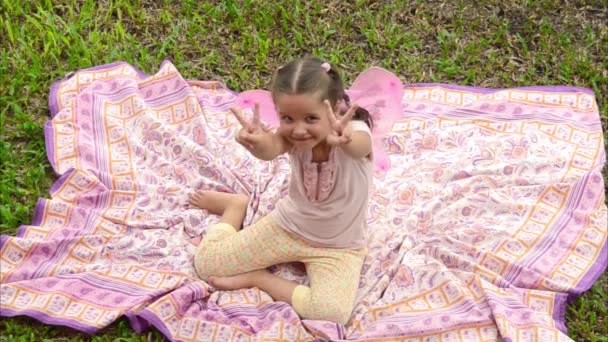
481, 43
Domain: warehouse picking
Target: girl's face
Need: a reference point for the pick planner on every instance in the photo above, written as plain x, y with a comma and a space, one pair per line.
303, 120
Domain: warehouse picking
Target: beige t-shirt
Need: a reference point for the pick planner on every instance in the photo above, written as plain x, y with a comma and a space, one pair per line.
327, 202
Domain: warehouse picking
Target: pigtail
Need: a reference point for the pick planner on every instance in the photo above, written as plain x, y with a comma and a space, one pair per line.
337, 88
360, 114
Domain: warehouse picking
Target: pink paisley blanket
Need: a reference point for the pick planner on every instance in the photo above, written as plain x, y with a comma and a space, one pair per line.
491, 217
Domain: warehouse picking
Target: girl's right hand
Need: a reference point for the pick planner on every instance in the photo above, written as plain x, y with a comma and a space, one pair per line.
252, 133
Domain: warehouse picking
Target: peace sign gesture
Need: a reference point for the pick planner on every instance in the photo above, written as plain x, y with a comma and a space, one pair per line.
341, 134
252, 132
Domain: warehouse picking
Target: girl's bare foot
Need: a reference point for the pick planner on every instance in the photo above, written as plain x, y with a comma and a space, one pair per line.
217, 202
239, 281
278, 288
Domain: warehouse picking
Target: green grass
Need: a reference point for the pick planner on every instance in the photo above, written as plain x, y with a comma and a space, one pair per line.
482, 43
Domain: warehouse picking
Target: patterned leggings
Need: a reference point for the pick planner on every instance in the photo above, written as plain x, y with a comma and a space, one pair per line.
333, 273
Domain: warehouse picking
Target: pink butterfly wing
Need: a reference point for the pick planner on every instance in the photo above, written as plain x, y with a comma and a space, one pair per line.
268, 113
381, 160
380, 92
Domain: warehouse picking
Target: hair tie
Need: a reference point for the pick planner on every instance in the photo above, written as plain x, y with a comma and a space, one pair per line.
326, 66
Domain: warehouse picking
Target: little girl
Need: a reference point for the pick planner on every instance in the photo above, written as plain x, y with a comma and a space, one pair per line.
323, 220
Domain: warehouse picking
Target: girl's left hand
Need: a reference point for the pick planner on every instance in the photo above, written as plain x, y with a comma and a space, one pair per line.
340, 134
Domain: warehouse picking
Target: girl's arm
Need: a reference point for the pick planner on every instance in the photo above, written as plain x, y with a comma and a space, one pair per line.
259, 141
268, 146
360, 144
353, 136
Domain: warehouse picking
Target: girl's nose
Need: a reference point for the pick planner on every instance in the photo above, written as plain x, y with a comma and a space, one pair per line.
299, 129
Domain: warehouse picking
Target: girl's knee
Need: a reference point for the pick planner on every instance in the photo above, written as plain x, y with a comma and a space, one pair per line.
207, 262
213, 261
201, 265
333, 311
212, 249
326, 308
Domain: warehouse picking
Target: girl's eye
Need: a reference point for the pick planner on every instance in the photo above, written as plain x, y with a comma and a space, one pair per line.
286, 119
311, 119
